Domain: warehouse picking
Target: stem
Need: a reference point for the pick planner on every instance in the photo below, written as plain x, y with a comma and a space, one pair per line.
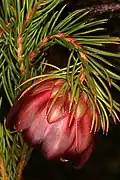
61, 35
20, 56
2, 170
24, 158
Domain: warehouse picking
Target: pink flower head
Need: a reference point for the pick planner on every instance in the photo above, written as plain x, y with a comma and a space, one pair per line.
42, 114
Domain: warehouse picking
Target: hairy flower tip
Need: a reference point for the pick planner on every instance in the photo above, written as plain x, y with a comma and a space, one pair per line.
42, 114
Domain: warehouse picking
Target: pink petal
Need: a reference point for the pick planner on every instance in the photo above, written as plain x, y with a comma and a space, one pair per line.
60, 81
25, 111
85, 156
56, 110
81, 109
34, 135
43, 86
55, 90
46, 85
58, 138
83, 135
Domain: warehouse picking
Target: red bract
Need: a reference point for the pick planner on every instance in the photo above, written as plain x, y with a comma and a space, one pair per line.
42, 114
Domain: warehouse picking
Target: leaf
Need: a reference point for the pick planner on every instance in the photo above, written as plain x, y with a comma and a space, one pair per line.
98, 51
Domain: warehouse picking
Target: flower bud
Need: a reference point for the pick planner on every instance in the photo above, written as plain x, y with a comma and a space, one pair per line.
42, 115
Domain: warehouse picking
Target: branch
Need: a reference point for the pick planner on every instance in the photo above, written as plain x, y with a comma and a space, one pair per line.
103, 8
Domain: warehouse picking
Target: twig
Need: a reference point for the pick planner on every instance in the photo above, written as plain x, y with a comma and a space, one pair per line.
69, 39
103, 8
29, 16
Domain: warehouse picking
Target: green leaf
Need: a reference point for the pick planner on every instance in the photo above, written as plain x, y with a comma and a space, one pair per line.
57, 18
98, 51
67, 20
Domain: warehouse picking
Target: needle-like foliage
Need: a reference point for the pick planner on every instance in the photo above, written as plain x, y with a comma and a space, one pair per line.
28, 29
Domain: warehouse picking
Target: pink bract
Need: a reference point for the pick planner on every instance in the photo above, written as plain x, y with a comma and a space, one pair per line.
49, 125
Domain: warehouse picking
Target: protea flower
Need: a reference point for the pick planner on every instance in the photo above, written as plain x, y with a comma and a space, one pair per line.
43, 114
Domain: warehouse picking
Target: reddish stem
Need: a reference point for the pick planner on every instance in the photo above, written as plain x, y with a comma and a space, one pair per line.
19, 41
70, 39
32, 11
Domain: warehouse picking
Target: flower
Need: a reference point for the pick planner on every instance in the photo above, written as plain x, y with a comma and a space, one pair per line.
42, 114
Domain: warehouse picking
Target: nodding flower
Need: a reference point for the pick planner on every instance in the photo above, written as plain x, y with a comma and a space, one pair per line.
42, 114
